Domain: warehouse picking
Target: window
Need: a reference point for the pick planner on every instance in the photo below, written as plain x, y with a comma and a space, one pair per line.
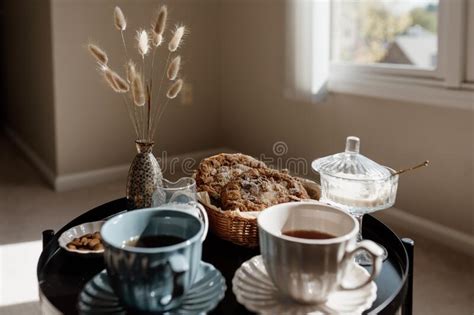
389, 32
411, 50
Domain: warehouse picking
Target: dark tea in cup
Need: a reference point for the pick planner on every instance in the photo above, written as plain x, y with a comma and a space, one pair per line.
309, 234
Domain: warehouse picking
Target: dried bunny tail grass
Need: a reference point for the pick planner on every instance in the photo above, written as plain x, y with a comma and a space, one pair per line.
143, 42
156, 39
119, 19
177, 38
120, 83
115, 81
109, 78
98, 54
174, 89
159, 25
138, 90
173, 68
131, 71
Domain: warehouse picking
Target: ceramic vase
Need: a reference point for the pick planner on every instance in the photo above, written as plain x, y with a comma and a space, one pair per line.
144, 177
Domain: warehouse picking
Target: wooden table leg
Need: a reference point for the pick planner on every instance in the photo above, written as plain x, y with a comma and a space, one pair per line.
407, 306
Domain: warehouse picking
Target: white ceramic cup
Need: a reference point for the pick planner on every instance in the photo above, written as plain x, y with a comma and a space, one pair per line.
308, 270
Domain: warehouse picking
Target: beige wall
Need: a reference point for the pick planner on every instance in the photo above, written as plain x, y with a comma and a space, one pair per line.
93, 130
29, 107
470, 41
255, 114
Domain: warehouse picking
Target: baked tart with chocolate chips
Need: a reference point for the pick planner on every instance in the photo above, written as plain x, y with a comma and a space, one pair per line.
257, 189
216, 171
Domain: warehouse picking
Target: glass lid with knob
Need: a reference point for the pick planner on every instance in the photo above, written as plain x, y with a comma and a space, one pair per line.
354, 182
350, 164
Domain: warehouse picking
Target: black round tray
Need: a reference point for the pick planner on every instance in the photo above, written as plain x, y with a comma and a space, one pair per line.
62, 276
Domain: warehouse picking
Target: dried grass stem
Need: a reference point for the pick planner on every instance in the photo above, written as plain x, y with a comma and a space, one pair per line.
160, 22
174, 89
173, 68
144, 111
138, 90
177, 38
119, 19
143, 42
98, 54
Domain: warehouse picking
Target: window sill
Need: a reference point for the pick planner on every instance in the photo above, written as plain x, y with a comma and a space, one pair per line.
408, 89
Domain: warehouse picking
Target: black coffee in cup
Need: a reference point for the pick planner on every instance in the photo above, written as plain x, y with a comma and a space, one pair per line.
152, 241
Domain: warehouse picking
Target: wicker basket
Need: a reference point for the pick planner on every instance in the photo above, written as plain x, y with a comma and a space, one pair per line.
241, 227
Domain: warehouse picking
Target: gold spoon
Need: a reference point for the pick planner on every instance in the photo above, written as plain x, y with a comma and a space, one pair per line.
425, 163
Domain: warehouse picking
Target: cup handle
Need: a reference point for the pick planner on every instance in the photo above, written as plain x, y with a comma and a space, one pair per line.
375, 251
179, 266
205, 219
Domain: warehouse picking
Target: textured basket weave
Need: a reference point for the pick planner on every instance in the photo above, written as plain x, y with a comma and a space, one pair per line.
241, 227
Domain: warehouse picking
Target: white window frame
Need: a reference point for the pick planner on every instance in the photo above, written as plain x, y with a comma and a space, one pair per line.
443, 86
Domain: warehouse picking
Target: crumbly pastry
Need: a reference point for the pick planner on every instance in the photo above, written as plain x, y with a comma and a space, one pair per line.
216, 171
257, 189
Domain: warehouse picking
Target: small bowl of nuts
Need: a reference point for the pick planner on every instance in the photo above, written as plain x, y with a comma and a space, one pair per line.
83, 239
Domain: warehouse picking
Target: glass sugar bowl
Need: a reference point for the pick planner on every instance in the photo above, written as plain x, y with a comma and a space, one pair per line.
356, 184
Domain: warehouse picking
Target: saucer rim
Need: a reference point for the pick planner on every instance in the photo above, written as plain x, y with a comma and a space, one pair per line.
182, 308
357, 309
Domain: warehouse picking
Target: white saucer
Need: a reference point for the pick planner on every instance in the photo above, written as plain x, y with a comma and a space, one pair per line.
254, 289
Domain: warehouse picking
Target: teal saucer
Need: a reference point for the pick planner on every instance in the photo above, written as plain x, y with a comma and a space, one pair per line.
97, 297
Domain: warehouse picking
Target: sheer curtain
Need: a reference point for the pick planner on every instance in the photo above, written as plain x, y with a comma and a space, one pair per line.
308, 49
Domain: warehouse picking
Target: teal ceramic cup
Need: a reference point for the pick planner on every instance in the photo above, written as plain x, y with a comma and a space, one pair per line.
152, 279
